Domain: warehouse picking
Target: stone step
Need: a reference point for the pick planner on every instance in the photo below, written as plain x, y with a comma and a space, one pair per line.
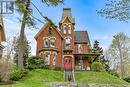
64, 84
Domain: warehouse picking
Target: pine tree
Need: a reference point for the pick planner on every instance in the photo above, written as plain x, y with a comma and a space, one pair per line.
96, 48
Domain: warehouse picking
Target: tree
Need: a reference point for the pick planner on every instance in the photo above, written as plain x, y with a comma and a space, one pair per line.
24, 7
96, 48
116, 9
119, 50
26, 54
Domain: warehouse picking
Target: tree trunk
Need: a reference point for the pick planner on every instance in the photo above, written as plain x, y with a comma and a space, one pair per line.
21, 40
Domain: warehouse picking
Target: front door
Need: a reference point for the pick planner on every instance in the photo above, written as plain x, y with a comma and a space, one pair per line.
68, 64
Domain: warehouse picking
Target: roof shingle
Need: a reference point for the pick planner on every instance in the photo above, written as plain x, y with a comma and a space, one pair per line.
81, 37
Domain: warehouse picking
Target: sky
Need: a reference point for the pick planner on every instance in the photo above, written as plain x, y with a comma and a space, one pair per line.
86, 19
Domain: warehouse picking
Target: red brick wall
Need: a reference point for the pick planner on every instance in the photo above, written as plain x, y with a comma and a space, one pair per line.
40, 43
85, 48
68, 22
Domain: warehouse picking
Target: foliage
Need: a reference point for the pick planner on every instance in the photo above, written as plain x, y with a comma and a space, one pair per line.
27, 52
96, 48
119, 51
35, 62
97, 66
113, 72
104, 62
116, 9
18, 74
127, 79
52, 2
50, 21
5, 68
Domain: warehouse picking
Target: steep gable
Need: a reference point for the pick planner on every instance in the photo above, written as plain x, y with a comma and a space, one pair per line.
44, 27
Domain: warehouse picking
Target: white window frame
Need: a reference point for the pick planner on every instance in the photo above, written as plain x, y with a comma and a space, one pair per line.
46, 40
54, 58
80, 48
68, 41
69, 29
51, 41
47, 58
64, 28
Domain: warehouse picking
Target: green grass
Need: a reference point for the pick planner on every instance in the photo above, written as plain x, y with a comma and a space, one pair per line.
39, 78
98, 77
43, 77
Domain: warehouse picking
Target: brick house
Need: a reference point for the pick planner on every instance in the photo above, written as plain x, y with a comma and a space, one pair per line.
64, 47
2, 34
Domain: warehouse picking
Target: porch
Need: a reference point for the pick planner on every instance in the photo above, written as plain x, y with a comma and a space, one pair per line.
84, 60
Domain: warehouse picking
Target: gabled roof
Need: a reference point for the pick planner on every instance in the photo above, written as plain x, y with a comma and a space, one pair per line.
81, 37
67, 14
2, 27
44, 28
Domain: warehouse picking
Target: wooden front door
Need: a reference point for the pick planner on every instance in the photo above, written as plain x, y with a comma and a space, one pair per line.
68, 64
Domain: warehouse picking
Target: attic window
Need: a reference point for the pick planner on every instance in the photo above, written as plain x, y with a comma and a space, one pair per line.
49, 31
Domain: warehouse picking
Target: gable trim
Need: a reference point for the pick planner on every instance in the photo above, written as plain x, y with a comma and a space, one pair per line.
44, 28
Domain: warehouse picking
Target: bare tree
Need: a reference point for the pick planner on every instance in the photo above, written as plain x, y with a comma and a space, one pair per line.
120, 51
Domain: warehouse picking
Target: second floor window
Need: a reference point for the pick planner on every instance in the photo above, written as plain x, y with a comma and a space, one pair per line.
52, 43
80, 49
69, 29
46, 42
68, 43
64, 29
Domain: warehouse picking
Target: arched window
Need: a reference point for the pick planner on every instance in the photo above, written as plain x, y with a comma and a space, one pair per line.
68, 43
52, 43
46, 42
54, 58
47, 58
69, 29
64, 29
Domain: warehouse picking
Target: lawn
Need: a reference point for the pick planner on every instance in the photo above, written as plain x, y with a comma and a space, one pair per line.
39, 78
43, 77
98, 77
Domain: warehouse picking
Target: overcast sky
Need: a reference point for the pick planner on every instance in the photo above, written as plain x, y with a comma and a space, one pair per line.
86, 18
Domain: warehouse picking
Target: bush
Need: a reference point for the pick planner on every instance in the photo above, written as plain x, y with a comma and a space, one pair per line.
97, 66
18, 74
57, 68
35, 62
127, 79
113, 72
31, 67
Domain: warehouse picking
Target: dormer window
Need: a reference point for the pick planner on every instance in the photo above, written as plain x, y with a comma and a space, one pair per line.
46, 42
52, 43
64, 29
69, 29
67, 43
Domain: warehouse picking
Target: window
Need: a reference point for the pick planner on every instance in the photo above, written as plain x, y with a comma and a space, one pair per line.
49, 31
46, 44
47, 58
64, 29
69, 29
52, 43
80, 48
54, 58
68, 43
